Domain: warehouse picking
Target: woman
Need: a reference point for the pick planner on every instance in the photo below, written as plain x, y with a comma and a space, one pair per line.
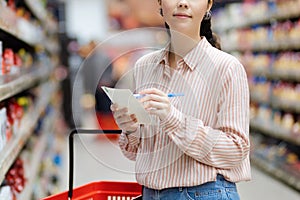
199, 147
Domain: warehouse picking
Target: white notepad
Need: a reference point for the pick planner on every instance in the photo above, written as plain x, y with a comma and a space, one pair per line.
125, 98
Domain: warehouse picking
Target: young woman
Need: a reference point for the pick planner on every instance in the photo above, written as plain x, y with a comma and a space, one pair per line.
199, 147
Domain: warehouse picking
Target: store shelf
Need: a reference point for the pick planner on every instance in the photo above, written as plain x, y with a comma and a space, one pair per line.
17, 36
27, 32
36, 159
286, 75
273, 130
258, 98
40, 12
270, 46
20, 28
28, 123
250, 14
34, 166
13, 84
274, 102
281, 174
257, 20
285, 105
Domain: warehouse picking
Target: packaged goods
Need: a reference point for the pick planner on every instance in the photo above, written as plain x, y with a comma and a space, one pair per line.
3, 123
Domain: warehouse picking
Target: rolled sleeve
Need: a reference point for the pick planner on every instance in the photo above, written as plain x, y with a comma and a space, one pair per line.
173, 120
129, 144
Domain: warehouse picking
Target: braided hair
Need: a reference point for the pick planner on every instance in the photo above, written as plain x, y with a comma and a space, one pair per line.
205, 30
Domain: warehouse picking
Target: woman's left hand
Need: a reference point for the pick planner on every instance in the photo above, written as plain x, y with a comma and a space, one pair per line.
156, 102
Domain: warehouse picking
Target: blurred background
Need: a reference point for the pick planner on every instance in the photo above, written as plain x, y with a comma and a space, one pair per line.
56, 54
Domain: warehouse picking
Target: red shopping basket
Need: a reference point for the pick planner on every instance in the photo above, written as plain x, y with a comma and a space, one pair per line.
101, 190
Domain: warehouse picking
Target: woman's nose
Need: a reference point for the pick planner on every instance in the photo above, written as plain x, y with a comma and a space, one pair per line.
183, 4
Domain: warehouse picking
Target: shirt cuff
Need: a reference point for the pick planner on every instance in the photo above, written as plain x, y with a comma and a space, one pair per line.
172, 121
131, 139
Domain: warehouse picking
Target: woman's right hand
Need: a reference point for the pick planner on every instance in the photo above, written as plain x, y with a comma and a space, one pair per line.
127, 122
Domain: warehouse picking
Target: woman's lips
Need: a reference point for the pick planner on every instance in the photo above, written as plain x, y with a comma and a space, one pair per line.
182, 15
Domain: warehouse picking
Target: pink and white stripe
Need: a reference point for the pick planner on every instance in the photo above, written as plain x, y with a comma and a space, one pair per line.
207, 130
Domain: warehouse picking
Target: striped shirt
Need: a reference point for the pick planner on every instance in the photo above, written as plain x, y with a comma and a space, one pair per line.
207, 130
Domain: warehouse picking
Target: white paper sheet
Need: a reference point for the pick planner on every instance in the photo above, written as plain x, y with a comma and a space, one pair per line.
125, 98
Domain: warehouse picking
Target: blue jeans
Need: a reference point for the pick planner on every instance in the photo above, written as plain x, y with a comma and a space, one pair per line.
220, 189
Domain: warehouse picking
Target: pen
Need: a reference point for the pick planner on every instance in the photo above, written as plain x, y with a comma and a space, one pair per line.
169, 95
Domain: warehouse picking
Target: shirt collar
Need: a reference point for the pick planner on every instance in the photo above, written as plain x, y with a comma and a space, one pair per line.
191, 58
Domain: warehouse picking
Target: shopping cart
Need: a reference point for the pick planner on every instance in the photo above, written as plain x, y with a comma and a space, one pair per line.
100, 190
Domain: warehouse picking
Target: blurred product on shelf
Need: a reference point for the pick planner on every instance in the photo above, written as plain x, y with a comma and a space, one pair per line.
277, 36
260, 89
21, 24
1, 59
276, 92
280, 124
286, 92
3, 125
239, 15
275, 66
6, 193
247, 27
277, 158
15, 63
50, 171
15, 177
21, 177
12, 111
15, 180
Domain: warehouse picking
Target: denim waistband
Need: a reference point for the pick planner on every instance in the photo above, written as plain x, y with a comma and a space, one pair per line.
220, 182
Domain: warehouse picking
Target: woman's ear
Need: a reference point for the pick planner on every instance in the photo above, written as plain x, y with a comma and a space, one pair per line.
209, 5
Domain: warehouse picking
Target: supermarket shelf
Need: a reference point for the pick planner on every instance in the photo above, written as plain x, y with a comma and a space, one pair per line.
271, 46
286, 75
257, 97
14, 33
27, 32
273, 130
286, 105
12, 85
28, 123
50, 46
256, 20
42, 14
34, 166
20, 28
274, 102
281, 174
35, 163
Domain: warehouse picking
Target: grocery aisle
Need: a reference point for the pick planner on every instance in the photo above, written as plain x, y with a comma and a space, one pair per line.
100, 159
42, 41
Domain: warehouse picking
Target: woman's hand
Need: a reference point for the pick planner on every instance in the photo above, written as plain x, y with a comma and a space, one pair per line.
156, 102
125, 121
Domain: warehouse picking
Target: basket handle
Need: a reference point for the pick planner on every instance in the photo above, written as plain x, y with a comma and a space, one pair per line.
71, 151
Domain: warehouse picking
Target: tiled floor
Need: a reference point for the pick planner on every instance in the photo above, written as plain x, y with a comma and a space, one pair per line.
98, 158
